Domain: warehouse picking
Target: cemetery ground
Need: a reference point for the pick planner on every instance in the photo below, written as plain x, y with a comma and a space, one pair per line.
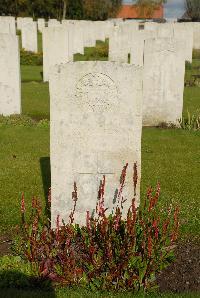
170, 156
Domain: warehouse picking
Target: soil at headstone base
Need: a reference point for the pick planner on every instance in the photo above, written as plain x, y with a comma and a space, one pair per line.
181, 276
5, 245
184, 274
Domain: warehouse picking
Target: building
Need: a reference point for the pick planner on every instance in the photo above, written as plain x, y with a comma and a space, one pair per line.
132, 11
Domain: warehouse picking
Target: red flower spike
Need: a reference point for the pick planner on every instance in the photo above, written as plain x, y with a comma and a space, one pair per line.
75, 199
49, 197
88, 220
135, 177
150, 246
23, 209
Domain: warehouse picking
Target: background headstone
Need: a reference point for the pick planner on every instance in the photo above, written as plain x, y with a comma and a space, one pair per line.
10, 82
41, 24
7, 25
29, 37
53, 23
55, 48
163, 82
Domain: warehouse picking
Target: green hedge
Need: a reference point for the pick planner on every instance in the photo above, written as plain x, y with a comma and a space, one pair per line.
30, 58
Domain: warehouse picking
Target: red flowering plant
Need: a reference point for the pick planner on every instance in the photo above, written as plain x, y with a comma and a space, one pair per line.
110, 252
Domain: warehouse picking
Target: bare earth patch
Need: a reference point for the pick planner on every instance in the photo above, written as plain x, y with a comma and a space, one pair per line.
184, 274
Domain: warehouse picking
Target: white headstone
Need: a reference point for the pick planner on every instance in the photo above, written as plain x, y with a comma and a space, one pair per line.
121, 40
10, 83
53, 23
29, 37
26, 20
165, 30
55, 48
7, 25
196, 32
118, 45
163, 82
95, 130
184, 34
19, 23
89, 34
41, 24
137, 46
76, 39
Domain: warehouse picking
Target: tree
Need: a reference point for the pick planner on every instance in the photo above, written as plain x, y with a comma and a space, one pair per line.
147, 7
193, 9
65, 3
75, 9
100, 9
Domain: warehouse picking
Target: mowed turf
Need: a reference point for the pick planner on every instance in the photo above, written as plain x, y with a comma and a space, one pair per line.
80, 293
169, 156
35, 93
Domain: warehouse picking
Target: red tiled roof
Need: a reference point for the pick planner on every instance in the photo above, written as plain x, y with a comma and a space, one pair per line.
132, 12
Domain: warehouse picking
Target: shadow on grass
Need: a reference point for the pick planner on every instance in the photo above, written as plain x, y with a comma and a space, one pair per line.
16, 284
46, 179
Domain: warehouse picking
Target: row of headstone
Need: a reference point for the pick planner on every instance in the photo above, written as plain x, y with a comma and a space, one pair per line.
162, 50
91, 30
60, 43
170, 42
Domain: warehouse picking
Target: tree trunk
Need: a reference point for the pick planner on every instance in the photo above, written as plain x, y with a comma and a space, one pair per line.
64, 9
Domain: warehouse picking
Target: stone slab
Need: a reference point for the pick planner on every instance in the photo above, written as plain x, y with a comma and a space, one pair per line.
10, 81
96, 124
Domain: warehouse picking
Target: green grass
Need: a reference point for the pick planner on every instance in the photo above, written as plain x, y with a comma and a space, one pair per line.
100, 52
169, 156
79, 293
35, 93
21, 151
31, 73
39, 42
35, 100
191, 101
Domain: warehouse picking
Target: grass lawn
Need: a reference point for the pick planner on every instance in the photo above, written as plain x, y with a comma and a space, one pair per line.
35, 93
191, 101
169, 156
21, 151
192, 94
73, 293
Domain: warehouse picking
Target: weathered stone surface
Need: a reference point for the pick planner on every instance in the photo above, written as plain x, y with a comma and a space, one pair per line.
76, 38
137, 46
41, 24
53, 23
55, 48
119, 47
179, 31
10, 85
163, 82
29, 36
184, 34
95, 130
120, 42
7, 25
196, 32
19, 23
